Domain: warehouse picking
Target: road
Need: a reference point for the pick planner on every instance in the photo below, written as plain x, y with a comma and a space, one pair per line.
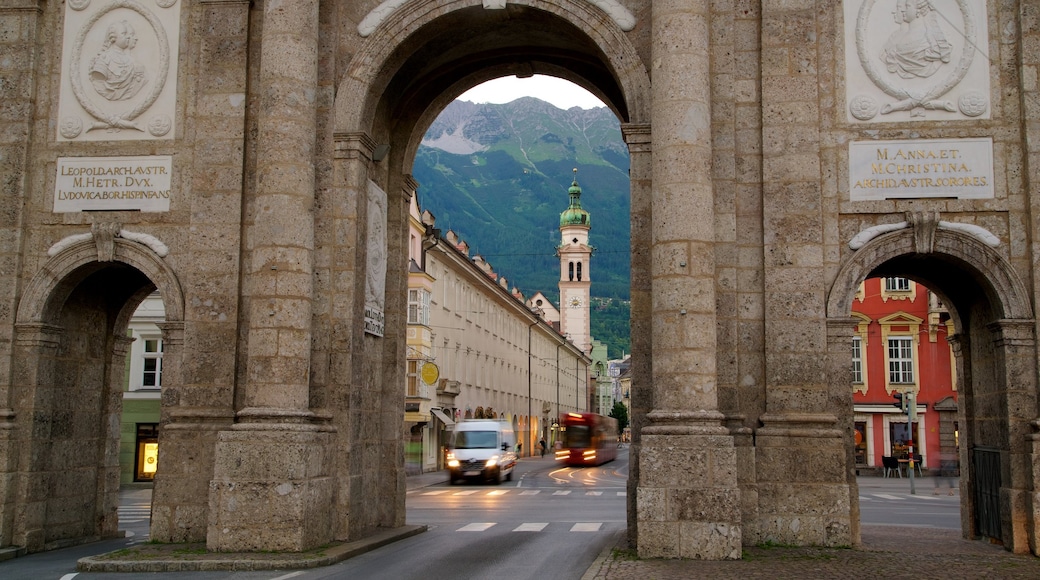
549, 522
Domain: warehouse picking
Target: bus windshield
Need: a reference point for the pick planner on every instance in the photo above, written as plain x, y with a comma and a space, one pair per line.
476, 440
577, 436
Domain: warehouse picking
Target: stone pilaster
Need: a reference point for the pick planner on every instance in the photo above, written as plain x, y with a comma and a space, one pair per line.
1016, 341
1029, 73
198, 396
801, 456
19, 21
639, 140
35, 347
688, 505
271, 488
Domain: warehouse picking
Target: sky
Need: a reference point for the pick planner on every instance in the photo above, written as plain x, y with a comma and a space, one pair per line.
563, 94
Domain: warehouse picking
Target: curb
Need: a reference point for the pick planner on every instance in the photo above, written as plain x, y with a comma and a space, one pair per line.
244, 561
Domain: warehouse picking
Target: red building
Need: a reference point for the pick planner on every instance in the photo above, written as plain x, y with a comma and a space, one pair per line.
900, 346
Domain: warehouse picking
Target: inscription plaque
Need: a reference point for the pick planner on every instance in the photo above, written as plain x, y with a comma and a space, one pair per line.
959, 168
113, 183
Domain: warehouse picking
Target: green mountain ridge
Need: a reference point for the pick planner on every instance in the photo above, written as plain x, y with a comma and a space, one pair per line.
497, 175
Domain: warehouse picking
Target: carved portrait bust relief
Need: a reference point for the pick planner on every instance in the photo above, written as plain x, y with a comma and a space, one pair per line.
118, 71
916, 60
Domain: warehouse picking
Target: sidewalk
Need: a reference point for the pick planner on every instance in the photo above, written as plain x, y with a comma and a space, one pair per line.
884, 552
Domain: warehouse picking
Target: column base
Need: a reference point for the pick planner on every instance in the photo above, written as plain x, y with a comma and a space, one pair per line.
687, 500
803, 493
271, 489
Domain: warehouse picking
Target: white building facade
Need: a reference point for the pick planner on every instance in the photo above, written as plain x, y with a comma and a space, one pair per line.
494, 356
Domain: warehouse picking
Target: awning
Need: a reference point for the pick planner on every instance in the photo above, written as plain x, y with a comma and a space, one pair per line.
444, 418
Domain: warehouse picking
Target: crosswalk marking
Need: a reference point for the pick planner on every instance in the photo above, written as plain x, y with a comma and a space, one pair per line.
888, 496
586, 527
533, 527
593, 493
531, 492
468, 492
436, 492
499, 492
622, 493
476, 527
561, 492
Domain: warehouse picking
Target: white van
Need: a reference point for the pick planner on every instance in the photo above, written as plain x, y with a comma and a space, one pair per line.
482, 448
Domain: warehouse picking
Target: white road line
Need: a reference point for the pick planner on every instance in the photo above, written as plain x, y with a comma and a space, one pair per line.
499, 492
586, 527
622, 493
562, 492
531, 492
593, 493
468, 492
438, 492
475, 527
70, 576
533, 527
888, 496
287, 576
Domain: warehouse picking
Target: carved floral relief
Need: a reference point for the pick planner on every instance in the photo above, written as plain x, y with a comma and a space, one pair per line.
916, 60
119, 70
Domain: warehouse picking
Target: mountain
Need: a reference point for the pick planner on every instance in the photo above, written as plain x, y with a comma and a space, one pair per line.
498, 176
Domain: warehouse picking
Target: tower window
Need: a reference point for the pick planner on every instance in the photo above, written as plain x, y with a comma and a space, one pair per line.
570, 271
579, 271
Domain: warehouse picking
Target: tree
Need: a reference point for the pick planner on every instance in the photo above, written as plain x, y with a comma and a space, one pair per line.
620, 412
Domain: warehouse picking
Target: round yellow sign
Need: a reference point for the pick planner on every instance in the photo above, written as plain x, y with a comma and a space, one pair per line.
430, 373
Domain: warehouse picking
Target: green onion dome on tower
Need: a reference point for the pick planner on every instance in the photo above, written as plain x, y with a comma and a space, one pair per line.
574, 215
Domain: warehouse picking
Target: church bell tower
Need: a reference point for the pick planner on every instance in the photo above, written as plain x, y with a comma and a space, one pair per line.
575, 281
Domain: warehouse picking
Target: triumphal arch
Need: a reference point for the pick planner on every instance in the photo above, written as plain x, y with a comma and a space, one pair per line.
250, 161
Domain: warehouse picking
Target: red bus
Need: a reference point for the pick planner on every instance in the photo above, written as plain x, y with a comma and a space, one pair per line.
588, 439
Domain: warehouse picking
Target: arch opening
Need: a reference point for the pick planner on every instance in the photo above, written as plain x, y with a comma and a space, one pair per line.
980, 427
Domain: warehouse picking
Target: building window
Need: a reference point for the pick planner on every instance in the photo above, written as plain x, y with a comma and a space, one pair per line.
418, 306
897, 285
151, 370
900, 360
413, 378
857, 360
147, 451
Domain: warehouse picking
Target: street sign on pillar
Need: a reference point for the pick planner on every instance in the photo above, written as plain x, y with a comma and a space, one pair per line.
911, 406
900, 401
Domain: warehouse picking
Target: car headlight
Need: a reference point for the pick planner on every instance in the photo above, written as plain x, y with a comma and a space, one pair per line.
452, 462
493, 461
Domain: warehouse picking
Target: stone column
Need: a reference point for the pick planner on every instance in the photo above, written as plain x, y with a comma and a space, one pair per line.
1016, 378
688, 505
19, 43
638, 138
800, 448
271, 489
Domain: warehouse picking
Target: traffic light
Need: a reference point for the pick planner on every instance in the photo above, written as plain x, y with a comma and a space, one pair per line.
911, 406
900, 401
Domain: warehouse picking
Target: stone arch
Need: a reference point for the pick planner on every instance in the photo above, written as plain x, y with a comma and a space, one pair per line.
378, 61
993, 274
423, 55
70, 349
995, 353
59, 275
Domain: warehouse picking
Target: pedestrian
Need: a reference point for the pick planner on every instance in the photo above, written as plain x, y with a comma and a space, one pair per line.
947, 471
519, 447
541, 446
